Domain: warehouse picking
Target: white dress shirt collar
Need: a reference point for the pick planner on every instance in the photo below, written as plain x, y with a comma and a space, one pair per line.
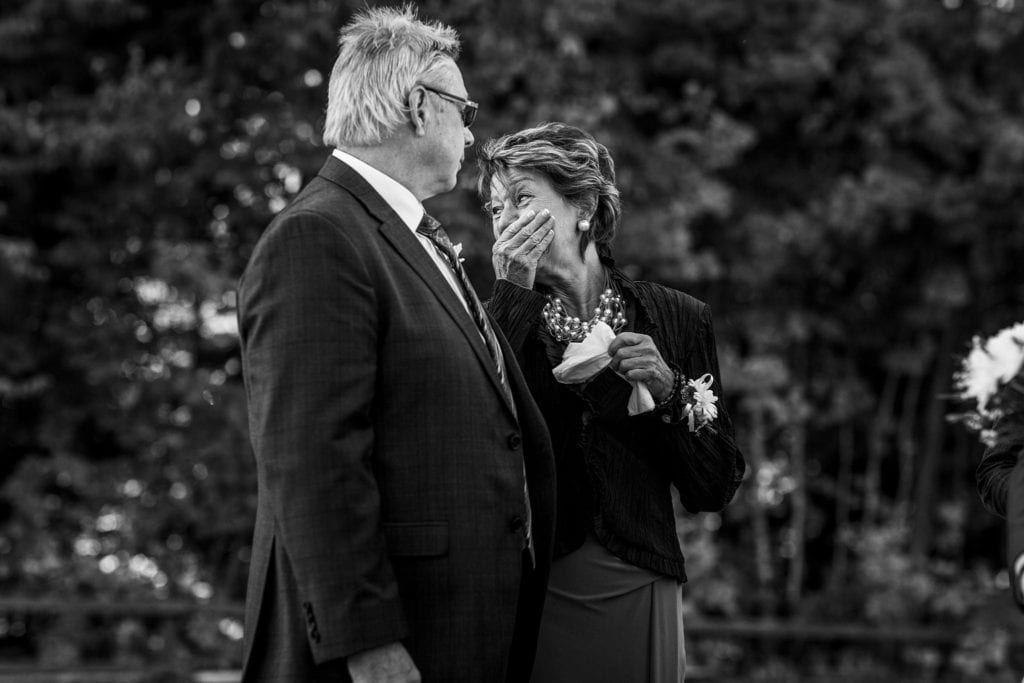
408, 209
398, 196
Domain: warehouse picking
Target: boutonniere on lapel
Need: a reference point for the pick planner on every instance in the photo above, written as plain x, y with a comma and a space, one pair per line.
457, 248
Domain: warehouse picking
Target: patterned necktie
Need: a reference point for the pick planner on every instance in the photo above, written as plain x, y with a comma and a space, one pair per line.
432, 229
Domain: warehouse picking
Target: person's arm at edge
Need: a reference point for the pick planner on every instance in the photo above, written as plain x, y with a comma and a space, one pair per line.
992, 476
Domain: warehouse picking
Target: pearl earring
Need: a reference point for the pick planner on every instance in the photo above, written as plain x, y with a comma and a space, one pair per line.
583, 224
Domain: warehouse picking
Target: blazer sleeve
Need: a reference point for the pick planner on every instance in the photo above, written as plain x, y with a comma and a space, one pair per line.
516, 310
993, 475
308, 317
707, 467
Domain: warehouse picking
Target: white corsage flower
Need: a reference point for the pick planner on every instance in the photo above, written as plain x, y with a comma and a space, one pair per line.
700, 402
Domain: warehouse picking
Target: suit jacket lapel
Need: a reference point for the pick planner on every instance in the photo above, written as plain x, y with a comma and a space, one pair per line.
412, 252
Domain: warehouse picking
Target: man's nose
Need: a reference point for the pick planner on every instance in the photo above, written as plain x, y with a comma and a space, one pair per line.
468, 137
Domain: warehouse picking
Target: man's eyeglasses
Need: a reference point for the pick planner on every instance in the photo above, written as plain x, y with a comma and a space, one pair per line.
469, 107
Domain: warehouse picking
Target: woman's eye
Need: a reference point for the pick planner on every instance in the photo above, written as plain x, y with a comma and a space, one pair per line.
495, 210
522, 199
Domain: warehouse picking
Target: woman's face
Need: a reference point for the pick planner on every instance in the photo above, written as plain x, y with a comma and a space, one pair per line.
524, 190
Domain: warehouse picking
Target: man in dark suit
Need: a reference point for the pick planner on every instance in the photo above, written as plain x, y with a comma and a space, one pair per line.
406, 480
1000, 478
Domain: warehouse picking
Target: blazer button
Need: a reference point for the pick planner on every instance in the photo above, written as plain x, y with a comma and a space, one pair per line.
516, 524
514, 441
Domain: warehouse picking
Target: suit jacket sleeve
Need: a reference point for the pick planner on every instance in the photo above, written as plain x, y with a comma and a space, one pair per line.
516, 310
309, 335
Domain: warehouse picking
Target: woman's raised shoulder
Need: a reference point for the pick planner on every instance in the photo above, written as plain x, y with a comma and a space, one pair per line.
662, 297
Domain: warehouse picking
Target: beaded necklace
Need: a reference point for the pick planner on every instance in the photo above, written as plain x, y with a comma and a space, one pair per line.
564, 327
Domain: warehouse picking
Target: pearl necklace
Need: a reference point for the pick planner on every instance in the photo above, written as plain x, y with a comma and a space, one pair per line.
564, 327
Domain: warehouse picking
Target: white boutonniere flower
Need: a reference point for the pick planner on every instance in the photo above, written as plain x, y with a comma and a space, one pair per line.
457, 248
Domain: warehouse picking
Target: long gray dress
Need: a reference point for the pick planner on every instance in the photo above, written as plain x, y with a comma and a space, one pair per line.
607, 620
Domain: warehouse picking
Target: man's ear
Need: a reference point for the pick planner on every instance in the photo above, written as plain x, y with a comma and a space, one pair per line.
418, 111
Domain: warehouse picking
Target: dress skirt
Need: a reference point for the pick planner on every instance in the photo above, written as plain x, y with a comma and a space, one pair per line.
606, 620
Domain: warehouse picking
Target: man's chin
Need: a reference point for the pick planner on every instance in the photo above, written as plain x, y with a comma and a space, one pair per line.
441, 187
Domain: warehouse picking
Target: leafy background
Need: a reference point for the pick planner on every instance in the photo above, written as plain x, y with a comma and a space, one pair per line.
841, 179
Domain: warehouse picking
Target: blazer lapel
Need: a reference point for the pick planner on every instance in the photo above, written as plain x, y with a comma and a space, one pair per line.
401, 238
410, 249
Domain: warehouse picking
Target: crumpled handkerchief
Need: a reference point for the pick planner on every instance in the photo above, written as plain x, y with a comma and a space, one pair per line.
582, 360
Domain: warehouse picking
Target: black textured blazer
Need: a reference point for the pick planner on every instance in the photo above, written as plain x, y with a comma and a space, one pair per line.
613, 470
390, 465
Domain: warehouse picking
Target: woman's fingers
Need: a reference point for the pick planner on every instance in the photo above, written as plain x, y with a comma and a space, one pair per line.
536, 243
517, 251
631, 345
639, 375
658, 383
528, 242
509, 228
642, 363
547, 239
503, 220
524, 227
625, 342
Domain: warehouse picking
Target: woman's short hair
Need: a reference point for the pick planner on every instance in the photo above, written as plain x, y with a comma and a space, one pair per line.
383, 53
578, 167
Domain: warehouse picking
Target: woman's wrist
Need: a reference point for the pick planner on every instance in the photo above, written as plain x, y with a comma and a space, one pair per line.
675, 392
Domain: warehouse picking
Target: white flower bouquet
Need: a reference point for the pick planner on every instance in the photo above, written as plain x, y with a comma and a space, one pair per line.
990, 380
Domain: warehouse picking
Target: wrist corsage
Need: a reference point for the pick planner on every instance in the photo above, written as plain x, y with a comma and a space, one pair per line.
691, 400
699, 402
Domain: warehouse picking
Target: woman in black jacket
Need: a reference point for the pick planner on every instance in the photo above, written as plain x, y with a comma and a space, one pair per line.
614, 609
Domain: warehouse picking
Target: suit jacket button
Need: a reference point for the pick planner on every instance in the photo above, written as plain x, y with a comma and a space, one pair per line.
516, 524
514, 441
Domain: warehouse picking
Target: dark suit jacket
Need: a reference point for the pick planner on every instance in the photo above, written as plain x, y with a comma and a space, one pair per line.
390, 464
1000, 479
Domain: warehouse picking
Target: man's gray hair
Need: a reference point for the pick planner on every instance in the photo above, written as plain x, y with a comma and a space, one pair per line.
383, 53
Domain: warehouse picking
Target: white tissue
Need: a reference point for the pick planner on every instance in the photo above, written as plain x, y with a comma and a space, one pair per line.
582, 360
